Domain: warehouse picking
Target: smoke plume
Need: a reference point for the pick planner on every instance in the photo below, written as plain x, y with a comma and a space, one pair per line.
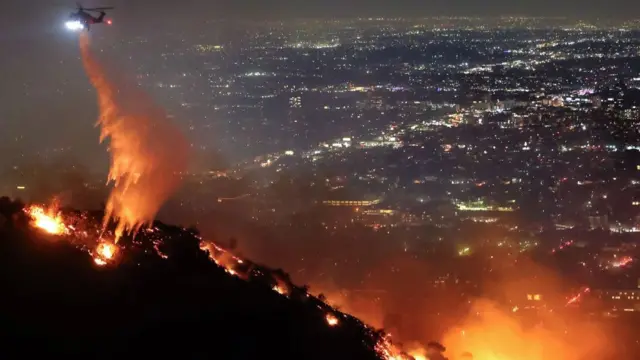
148, 154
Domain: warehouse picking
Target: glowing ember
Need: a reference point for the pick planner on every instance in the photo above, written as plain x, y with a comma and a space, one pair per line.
577, 297
332, 320
107, 250
562, 246
624, 261
49, 220
104, 252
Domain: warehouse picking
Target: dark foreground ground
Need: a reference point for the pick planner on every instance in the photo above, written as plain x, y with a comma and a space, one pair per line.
57, 302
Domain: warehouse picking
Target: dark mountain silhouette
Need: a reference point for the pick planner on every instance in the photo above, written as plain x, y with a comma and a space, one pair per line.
57, 302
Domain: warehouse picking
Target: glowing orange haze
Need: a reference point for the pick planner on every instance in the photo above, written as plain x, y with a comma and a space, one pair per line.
148, 154
493, 334
490, 331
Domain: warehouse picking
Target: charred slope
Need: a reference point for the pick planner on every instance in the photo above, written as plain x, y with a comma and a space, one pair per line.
56, 301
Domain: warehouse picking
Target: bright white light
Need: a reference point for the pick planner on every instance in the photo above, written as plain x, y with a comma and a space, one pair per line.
74, 25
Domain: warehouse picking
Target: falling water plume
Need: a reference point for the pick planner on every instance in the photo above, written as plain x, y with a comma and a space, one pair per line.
148, 153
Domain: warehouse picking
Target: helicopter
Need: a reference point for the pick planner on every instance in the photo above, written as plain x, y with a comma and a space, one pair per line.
82, 19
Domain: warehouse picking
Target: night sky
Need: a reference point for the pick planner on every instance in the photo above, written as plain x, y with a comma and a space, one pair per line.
47, 102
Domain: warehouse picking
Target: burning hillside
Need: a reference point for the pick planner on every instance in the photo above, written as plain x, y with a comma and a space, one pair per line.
148, 274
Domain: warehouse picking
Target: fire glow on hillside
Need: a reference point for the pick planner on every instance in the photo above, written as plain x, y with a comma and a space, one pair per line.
49, 220
483, 334
52, 222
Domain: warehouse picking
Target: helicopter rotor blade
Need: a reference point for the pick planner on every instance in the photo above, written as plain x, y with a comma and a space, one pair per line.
99, 8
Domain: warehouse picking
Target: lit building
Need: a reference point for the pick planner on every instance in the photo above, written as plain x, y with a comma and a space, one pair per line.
599, 222
480, 205
632, 114
627, 300
379, 212
378, 217
295, 102
354, 203
351, 198
534, 297
528, 301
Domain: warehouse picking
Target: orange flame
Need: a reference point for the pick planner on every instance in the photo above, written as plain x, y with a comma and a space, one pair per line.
49, 220
105, 252
332, 320
280, 290
387, 351
148, 154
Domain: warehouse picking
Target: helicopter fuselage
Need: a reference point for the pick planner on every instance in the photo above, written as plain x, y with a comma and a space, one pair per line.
82, 19
86, 18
